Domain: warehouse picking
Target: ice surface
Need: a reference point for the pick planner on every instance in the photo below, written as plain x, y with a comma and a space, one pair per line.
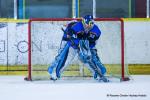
15, 88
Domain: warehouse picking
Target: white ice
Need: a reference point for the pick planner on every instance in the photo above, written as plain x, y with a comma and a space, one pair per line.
15, 88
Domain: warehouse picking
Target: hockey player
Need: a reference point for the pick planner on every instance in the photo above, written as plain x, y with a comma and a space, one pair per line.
76, 34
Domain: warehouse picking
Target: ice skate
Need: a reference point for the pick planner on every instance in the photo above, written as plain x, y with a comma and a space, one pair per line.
53, 77
103, 79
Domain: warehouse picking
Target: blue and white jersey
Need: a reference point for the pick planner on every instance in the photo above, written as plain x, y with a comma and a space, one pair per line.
92, 34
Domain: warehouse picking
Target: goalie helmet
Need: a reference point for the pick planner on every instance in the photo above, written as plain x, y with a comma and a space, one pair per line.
88, 21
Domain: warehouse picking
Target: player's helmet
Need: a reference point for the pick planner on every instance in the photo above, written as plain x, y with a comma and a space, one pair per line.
88, 20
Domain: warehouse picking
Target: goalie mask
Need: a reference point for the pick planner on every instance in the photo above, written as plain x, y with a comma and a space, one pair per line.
88, 21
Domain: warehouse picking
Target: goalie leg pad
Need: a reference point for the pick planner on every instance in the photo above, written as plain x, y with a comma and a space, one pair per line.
97, 61
95, 69
83, 58
58, 59
62, 61
84, 52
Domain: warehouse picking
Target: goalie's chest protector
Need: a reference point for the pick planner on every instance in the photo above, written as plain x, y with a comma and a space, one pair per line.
78, 28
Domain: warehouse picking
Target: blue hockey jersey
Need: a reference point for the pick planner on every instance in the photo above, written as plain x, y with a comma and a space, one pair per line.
92, 35
79, 31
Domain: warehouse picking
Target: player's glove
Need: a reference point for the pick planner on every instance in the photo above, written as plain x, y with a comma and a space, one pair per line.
81, 35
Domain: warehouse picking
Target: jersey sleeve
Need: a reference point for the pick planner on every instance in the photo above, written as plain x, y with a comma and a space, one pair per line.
93, 36
78, 30
94, 33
